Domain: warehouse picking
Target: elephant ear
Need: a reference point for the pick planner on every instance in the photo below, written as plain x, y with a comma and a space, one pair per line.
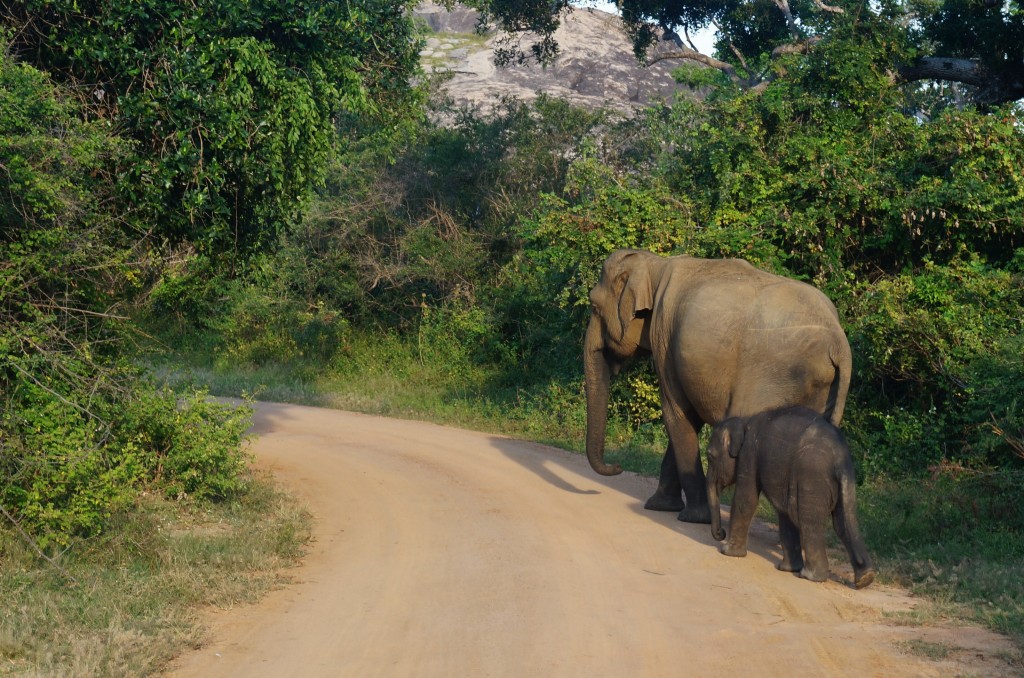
733, 434
633, 286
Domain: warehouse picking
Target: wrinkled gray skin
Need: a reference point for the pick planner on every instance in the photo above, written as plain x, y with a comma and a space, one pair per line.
801, 463
726, 340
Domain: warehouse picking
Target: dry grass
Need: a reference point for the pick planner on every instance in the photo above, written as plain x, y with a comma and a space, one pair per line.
128, 601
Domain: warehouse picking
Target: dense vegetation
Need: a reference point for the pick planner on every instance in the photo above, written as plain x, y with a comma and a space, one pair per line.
258, 185
967, 49
134, 136
140, 136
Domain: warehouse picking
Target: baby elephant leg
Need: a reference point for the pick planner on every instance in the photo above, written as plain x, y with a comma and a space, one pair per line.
744, 504
863, 570
812, 537
789, 535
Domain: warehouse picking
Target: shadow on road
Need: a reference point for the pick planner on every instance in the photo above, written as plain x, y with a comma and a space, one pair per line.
539, 458
544, 461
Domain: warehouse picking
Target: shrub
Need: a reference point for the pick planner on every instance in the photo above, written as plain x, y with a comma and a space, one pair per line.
195, 443
190, 291
942, 343
62, 479
992, 415
231, 105
69, 470
77, 424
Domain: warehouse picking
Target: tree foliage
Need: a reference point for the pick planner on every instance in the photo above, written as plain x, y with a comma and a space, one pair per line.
973, 45
231, 105
81, 433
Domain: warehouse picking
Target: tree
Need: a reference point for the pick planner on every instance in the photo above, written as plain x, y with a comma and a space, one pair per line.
82, 433
976, 46
230, 104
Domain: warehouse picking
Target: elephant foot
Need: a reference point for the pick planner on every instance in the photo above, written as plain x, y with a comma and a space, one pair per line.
733, 551
863, 579
814, 575
664, 502
695, 514
786, 565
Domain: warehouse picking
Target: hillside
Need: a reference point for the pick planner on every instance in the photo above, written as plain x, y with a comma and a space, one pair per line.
596, 66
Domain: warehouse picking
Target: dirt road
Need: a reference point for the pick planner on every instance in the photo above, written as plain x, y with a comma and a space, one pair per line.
442, 552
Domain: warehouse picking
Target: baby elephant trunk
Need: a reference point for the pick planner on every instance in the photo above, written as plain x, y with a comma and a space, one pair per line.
714, 506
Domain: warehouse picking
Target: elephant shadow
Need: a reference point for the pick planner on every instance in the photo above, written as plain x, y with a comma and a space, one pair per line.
539, 460
763, 538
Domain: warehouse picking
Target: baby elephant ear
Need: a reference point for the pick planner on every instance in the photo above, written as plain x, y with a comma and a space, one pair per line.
732, 436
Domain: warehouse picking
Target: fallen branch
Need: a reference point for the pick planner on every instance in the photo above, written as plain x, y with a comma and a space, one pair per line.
35, 547
1016, 444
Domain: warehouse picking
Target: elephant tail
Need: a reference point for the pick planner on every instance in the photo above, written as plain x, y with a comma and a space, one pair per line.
842, 363
844, 519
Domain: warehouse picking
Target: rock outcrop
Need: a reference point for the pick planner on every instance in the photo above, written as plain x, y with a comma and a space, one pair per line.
595, 67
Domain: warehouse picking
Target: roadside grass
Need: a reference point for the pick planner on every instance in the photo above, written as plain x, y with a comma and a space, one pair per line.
922, 648
934, 537
945, 540
127, 601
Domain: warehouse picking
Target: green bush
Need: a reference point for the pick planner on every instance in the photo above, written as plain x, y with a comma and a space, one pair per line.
253, 326
81, 432
62, 480
943, 344
992, 415
195, 443
188, 292
231, 105
68, 471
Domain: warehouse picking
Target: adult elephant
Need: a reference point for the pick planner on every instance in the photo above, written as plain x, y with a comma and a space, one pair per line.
727, 340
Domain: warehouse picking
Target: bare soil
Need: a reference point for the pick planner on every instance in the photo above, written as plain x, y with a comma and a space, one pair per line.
443, 552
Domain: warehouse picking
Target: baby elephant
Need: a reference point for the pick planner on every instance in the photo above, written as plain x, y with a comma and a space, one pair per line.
802, 464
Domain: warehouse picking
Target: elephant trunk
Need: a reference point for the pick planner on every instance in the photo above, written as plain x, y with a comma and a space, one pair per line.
714, 506
597, 375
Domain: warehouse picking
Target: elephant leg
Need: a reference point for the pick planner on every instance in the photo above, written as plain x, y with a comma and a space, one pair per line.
695, 490
863, 570
741, 514
812, 537
789, 535
682, 430
668, 496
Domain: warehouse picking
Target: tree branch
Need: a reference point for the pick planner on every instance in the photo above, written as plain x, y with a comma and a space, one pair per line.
967, 71
801, 47
31, 542
828, 8
693, 55
992, 89
689, 40
783, 6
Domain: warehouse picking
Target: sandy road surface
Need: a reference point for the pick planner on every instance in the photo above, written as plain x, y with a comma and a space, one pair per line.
442, 552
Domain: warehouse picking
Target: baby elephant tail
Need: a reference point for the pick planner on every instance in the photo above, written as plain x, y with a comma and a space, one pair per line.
844, 519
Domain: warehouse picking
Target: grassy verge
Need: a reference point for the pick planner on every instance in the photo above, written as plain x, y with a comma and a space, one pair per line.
942, 537
126, 602
937, 538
